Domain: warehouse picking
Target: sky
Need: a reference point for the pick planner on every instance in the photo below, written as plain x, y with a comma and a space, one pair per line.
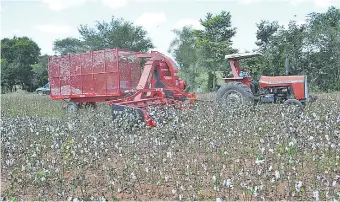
47, 20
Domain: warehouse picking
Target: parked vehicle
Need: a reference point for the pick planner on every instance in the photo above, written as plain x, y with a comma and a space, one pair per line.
45, 90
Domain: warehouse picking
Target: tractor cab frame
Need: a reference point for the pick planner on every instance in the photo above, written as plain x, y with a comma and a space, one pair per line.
236, 70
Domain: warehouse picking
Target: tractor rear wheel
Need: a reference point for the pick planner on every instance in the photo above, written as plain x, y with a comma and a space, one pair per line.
235, 94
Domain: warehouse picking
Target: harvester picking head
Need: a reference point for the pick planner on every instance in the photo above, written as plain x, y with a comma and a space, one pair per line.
159, 85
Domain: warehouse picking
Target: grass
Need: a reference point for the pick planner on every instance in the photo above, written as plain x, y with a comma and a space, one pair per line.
201, 153
18, 105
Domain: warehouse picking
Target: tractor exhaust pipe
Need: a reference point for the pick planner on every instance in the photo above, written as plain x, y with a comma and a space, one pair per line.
287, 65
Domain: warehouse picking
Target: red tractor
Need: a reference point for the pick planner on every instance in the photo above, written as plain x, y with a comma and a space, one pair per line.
243, 90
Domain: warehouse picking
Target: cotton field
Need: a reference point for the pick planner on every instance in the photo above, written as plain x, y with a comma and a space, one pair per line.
204, 152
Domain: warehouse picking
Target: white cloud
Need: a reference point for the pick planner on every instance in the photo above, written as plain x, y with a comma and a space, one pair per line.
151, 20
317, 3
188, 22
58, 5
301, 22
153, 1
298, 2
247, 2
114, 4
323, 3
48, 28
10, 33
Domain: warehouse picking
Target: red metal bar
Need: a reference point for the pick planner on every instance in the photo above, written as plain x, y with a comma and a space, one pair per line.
118, 68
238, 68
105, 71
81, 75
233, 69
92, 70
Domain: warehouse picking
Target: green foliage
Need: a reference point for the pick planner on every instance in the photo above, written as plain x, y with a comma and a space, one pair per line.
214, 41
313, 49
184, 50
7, 76
40, 73
203, 51
20, 50
69, 45
265, 31
116, 33
18, 54
323, 43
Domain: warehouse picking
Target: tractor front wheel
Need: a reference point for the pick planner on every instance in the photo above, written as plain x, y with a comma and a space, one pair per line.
235, 95
294, 107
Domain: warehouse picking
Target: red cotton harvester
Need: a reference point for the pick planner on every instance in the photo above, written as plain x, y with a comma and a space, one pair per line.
115, 76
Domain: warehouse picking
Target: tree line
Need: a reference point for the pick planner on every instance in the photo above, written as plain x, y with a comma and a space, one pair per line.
313, 49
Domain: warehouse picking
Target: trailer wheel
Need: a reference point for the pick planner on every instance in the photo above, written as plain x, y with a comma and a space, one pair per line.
72, 107
90, 105
235, 94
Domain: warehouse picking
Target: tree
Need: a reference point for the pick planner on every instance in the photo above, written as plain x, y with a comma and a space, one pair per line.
19, 54
265, 30
285, 43
323, 45
214, 42
313, 49
21, 49
69, 45
106, 35
40, 73
183, 49
7, 76
117, 33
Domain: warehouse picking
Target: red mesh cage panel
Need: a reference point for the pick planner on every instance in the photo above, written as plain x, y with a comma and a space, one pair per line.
135, 73
124, 74
98, 62
64, 71
129, 68
99, 72
53, 72
86, 63
86, 73
75, 71
93, 74
112, 69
